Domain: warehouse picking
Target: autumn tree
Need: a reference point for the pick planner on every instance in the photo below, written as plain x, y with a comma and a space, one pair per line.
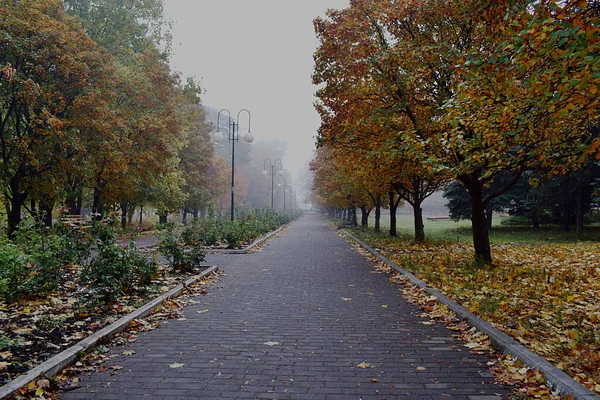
463, 93
197, 153
517, 107
150, 118
375, 91
50, 74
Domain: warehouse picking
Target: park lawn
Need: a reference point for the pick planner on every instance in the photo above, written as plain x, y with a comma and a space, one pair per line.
545, 295
451, 231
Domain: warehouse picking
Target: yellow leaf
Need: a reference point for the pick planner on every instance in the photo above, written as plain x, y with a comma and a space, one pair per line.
593, 89
421, 369
176, 365
573, 334
363, 365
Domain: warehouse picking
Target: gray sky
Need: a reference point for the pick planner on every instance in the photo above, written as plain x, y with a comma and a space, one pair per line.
254, 54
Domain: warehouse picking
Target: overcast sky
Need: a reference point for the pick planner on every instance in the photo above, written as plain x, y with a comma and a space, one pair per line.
254, 54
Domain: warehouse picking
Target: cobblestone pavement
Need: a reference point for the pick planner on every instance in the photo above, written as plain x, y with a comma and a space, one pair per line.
297, 320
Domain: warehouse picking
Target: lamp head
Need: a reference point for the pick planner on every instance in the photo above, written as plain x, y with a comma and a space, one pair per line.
248, 137
217, 137
264, 172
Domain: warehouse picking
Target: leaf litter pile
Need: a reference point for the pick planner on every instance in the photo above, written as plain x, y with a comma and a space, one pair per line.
37, 329
547, 297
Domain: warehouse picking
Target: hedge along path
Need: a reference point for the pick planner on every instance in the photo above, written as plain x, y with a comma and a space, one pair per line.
57, 363
557, 379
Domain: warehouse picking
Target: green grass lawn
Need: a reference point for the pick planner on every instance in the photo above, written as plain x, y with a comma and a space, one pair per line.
461, 231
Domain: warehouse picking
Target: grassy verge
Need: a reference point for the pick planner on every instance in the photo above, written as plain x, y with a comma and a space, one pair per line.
544, 294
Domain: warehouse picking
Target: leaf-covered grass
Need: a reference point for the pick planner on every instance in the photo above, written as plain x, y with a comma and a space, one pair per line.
451, 231
547, 296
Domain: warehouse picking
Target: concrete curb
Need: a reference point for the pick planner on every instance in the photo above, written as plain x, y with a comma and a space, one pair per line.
54, 365
557, 379
245, 249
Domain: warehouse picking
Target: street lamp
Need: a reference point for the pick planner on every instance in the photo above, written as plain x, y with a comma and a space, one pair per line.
233, 128
271, 171
285, 186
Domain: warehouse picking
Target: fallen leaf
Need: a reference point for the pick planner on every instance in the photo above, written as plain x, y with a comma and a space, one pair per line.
202, 311
421, 369
374, 380
346, 299
271, 344
128, 353
363, 365
176, 365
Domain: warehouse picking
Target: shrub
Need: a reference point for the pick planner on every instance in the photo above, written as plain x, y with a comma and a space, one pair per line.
33, 264
14, 271
114, 270
181, 250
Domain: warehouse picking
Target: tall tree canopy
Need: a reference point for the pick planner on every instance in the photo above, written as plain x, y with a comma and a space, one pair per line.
53, 78
469, 90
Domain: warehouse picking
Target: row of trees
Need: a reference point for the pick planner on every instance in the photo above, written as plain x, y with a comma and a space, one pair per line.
91, 115
418, 93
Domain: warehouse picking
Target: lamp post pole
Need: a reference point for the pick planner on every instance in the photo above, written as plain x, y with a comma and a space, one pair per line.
271, 171
285, 186
233, 128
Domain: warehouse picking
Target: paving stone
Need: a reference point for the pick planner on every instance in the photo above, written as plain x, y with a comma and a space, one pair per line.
294, 320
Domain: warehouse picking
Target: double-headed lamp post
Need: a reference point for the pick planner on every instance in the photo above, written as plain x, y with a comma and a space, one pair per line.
285, 189
272, 170
233, 128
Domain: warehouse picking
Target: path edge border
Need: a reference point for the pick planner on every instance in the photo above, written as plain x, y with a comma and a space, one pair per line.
58, 362
557, 379
246, 249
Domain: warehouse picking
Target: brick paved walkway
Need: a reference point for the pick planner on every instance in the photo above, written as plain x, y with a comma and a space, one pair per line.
292, 322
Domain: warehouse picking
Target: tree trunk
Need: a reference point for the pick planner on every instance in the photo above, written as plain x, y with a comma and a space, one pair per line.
489, 213
352, 216
184, 213
418, 218
378, 214
535, 222
579, 211
97, 205
481, 238
74, 205
124, 209
566, 218
33, 210
13, 210
141, 216
45, 214
162, 218
364, 218
393, 208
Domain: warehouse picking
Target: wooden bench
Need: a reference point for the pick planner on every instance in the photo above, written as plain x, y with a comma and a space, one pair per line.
75, 221
439, 218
